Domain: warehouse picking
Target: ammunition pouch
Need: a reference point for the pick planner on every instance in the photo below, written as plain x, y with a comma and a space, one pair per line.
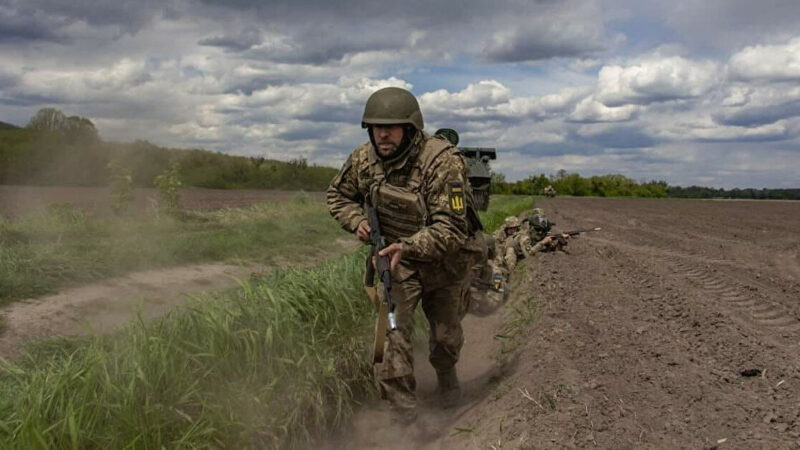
401, 210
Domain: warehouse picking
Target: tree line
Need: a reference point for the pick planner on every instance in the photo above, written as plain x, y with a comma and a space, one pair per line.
54, 149
574, 184
617, 185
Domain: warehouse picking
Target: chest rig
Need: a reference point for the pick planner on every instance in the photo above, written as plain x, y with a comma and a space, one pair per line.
396, 193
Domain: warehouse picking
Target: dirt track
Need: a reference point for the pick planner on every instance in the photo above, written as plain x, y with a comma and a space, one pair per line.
643, 334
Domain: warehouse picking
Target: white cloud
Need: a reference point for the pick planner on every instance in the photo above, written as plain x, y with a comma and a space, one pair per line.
655, 80
482, 94
758, 105
767, 62
591, 110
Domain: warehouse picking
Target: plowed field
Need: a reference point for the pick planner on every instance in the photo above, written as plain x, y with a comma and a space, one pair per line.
677, 326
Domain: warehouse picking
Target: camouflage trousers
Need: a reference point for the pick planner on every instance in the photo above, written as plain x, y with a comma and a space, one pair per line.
485, 297
444, 307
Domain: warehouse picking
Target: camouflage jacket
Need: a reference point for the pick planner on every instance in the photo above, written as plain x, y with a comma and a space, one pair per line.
518, 241
434, 169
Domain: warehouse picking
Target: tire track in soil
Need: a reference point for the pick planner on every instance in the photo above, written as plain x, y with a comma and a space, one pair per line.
760, 311
726, 289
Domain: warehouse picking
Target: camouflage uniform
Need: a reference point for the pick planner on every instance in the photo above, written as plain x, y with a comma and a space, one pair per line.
537, 228
509, 246
486, 291
423, 201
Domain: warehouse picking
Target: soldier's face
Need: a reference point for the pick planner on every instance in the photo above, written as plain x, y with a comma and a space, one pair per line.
387, 138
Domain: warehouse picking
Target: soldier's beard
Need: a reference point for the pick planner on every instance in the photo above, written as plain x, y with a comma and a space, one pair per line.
396, 151
386, 150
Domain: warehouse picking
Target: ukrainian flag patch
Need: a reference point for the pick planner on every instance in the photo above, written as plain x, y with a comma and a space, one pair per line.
458, 202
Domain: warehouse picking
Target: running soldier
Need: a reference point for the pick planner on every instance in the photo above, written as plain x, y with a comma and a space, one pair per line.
418, 185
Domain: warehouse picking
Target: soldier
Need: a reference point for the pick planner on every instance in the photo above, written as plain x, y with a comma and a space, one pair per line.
538, 238
517, 240
418, 185
508, 245
487, 290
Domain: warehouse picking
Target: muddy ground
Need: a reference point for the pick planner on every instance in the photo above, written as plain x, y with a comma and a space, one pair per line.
17, 200
677, 326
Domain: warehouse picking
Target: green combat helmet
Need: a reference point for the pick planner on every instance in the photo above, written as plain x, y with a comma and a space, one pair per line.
392, 106
449, 134
511, 222
540, 226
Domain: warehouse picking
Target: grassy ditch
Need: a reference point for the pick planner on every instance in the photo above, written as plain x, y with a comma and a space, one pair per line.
267, 365
62, 246
261, 366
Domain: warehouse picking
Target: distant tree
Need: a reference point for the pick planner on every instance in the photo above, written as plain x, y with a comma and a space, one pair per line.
48, 119
51, 119
257, 161
497, 177
299, 163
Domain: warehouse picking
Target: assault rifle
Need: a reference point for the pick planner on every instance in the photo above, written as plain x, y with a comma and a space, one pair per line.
386, 315
558, 241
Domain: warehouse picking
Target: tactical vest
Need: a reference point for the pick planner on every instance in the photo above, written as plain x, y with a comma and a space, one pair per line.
398, 197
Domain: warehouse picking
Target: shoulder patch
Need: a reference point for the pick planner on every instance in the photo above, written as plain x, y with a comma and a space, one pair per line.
458, 202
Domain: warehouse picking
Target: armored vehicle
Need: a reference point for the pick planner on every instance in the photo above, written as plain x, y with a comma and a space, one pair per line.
480, 175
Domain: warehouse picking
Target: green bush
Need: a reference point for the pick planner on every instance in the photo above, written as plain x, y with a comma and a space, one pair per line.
167, 184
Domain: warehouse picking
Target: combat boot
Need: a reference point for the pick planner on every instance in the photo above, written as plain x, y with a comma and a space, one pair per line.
449, 390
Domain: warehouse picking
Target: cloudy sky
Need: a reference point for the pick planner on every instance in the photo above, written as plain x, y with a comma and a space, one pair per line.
691, 92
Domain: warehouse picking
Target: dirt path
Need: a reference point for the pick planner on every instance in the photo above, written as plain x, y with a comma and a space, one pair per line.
677, 326
374, 426
101, 307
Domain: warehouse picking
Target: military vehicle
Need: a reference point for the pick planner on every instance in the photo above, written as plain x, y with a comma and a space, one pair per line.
480, 175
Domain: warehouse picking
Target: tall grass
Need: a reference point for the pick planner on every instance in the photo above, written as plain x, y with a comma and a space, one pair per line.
264, 366
502, 206
270, 364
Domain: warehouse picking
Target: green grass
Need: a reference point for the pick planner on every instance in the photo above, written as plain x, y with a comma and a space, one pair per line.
502, 206
61, 246
264, 366
271, 364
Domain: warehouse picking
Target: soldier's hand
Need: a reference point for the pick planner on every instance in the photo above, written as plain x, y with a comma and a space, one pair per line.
394, 252
363, 230
565, 235
547, 240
